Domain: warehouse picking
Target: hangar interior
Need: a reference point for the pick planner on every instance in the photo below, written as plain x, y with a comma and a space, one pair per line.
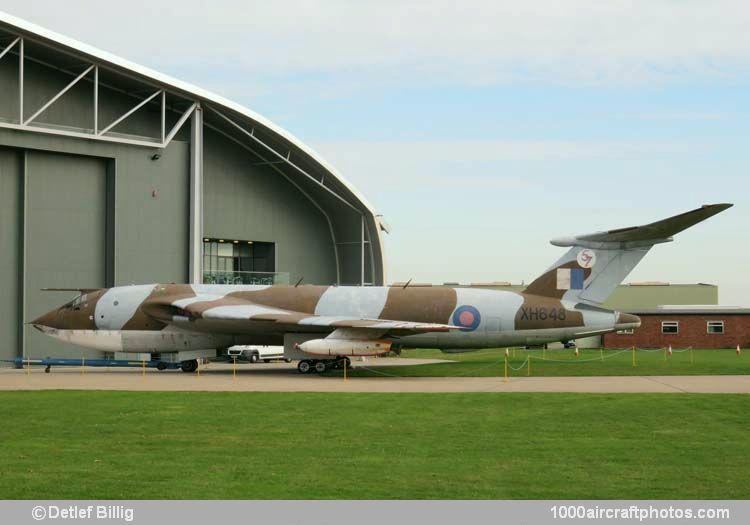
112, 174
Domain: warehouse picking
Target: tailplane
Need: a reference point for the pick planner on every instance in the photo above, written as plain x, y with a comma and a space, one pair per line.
597, 263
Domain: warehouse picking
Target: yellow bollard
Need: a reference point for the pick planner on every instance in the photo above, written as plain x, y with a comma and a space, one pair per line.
544, 352
528, 370
634, 356
506, 368
83, 365
28, 365
234, 368
143, 367
601, 353
345, 367
691, 355
198, 370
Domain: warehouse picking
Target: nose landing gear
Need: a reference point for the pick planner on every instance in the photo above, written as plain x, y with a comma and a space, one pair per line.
189, 366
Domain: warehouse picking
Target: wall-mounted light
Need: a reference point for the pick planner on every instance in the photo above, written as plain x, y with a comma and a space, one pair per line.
221, 240
249, 242
235, 242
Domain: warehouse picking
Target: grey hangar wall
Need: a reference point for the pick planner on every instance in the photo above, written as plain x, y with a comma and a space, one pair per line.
82, 207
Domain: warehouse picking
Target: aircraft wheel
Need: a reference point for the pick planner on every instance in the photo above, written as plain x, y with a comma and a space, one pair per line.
287, 360
304, 367
189, 366
254, 357
321, 366
161, 365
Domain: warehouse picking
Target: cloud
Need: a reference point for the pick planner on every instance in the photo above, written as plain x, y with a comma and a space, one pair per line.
682, 115
471, 43
490, 150
479, 164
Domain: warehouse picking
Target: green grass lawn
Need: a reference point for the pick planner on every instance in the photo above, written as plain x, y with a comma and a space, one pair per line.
596, 362
290, 445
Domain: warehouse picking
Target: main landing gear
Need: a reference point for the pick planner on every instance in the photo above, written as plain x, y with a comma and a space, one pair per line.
307, 366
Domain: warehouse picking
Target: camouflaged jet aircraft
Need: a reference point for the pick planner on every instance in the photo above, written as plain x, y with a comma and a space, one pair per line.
322, 326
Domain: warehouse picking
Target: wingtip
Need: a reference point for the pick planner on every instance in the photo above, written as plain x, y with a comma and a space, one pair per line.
714, 209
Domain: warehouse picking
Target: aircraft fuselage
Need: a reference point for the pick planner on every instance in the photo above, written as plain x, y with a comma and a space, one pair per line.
135, 318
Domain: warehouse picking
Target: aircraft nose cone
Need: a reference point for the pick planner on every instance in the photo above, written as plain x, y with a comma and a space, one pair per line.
46, 321
628, 320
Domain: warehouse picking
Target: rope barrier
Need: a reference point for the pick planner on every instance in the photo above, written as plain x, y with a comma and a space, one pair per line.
582, 360
473, 370
527, 361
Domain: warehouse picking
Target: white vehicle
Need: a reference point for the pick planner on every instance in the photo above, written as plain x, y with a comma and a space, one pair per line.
254, 354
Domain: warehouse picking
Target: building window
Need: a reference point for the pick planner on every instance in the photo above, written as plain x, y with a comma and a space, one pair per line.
625, 332
670, 327
229, 261
715, 327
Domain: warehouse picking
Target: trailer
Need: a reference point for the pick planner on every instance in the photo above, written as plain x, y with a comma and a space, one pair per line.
49, 362
185, 360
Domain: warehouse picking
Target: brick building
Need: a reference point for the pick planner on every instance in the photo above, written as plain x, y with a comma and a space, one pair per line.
681, 327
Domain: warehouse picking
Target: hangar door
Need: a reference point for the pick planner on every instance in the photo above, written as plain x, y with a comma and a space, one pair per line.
65, 238
11, 180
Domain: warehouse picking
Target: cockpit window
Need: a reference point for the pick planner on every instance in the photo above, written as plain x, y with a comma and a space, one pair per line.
76, 303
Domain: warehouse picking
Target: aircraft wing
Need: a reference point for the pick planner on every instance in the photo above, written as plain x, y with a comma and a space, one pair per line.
236, 311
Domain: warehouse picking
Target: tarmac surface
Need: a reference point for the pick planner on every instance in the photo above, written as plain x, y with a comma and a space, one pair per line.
282, 377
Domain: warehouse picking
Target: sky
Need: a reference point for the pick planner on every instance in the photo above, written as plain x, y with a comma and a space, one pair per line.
480, 130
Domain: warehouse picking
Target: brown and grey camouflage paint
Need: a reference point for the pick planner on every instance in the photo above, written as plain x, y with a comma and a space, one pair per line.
427, 305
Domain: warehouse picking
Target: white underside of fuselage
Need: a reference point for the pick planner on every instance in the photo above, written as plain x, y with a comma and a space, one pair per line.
176, 340
169, 340
477, 340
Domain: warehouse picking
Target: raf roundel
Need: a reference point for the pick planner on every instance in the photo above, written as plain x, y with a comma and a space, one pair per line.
467, 317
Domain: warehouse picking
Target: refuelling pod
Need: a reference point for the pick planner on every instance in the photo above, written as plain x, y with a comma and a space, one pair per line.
342, 347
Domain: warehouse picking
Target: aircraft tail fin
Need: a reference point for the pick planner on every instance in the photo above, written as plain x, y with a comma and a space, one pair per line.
597, 263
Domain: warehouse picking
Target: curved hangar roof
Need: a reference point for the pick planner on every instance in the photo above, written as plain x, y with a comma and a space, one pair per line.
351, 217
